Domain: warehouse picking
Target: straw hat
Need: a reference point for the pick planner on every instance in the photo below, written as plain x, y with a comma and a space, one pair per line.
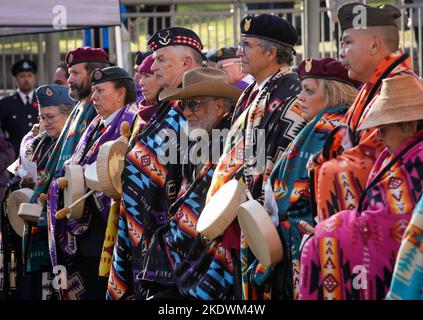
202, 82
400, 100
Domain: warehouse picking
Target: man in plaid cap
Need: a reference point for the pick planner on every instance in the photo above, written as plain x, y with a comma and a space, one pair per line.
150, 186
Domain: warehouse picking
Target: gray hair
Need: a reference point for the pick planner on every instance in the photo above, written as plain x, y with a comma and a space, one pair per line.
65, 109
284, 54
195, 55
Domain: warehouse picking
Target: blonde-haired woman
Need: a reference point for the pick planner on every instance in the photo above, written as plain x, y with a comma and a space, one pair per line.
327, 92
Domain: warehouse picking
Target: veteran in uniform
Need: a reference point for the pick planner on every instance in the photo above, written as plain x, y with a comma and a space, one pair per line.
18, 112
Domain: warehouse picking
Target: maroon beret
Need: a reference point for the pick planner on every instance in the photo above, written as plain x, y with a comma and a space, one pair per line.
145, 66
326, 68
86, 54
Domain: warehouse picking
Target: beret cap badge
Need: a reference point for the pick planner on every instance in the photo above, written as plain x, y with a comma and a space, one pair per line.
308, 65
165, 37
70, 58
219, 53
97, 75
247, 24
49, 93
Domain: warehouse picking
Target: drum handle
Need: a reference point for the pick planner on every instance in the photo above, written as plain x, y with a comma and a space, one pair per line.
249, 195
61, 214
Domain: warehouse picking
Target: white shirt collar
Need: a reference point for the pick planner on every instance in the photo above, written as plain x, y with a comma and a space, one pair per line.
23, 95
110, 118
263, 83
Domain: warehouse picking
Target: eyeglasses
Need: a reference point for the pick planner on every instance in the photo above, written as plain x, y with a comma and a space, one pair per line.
223, 66
193, 105
243, 46
47, 118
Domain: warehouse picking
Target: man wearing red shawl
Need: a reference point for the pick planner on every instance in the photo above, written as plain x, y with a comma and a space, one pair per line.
369, 51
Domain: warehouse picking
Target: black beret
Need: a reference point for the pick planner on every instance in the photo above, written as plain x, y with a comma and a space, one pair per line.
225, 53
53, 95
109, 74
270, 27
383, 15
175, 36
24, 65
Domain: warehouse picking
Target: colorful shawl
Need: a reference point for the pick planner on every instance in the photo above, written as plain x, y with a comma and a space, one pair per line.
352, 254
63, 234
407, 280
340, 173
149, 189
291, 186
82, 114
272, 111
178, 255
145, 113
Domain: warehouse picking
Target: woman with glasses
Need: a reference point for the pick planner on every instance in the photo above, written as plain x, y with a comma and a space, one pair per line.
352, 254
55, 106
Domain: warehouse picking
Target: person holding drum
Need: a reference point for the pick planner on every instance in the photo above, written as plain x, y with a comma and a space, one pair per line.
206, 98
265, 122
352, 254
79, 236
327, 92
55, 105
150, 183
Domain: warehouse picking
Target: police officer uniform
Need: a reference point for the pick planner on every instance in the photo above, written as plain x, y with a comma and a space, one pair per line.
18, 112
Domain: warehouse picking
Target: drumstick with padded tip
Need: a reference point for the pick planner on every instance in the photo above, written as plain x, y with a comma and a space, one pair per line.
125, 129
61, 214
43, 198
62, 182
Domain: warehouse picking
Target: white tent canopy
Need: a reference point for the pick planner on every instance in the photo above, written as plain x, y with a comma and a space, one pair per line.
29, 16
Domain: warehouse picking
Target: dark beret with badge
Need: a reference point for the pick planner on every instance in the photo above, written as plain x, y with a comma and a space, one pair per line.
225, 53
53, 95
109, 74
354, 13
270, 27
175, 36
86, 54
326, 68
24, 65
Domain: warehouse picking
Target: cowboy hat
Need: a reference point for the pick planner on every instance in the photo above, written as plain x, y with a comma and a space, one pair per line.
400, 100
202, 82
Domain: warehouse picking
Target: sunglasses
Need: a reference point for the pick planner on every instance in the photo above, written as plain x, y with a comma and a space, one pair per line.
193, 105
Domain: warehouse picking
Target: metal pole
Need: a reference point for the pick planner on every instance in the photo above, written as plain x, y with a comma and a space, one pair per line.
52, 54
311, 28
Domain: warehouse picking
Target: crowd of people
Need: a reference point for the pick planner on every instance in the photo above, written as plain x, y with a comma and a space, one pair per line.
111, 188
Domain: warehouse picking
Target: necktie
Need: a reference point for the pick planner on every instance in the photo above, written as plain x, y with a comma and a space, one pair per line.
27, 101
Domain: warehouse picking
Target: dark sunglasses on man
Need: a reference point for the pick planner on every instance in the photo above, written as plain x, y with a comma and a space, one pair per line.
193, 105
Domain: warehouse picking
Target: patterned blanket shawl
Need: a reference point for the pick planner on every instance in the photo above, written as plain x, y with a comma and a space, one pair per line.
63, 234
352, 254
291, 186
273, 113
407, 280
149, 189
341, 174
